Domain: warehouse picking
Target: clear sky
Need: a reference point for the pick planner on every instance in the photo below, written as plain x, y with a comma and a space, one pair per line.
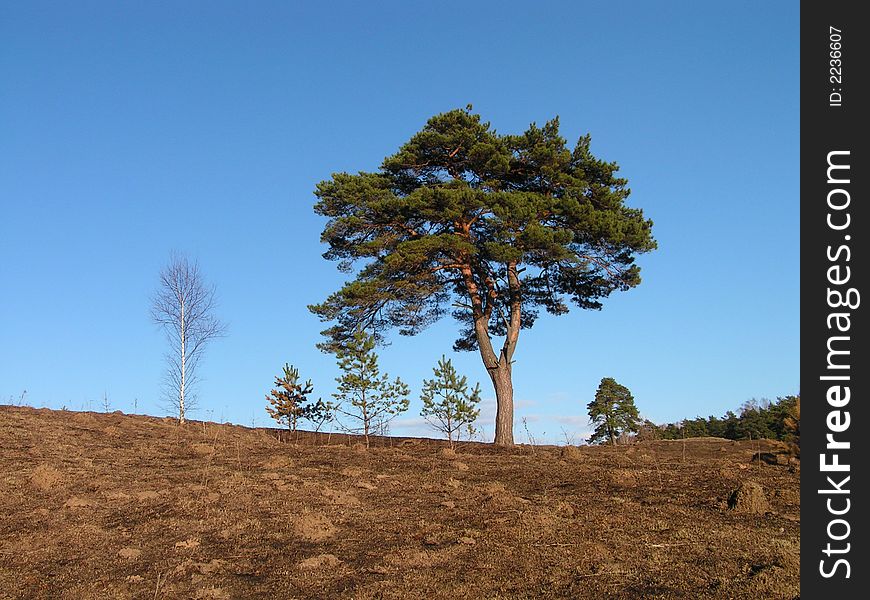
128, 129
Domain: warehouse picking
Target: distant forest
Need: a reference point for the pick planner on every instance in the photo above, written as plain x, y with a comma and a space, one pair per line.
757, 419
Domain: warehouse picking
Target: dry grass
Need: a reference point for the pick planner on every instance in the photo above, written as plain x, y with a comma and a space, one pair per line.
116, 506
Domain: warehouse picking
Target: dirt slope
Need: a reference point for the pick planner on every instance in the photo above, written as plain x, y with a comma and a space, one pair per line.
116, 506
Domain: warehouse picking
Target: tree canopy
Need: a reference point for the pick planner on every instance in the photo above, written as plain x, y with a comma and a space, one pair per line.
489, 227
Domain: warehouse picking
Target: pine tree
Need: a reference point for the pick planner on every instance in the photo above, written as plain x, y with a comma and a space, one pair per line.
491, 227
364, 395
289, 398
319, 413
448, 406
613, 410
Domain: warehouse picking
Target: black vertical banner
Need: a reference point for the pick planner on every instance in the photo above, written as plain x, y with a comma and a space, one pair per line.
835, 368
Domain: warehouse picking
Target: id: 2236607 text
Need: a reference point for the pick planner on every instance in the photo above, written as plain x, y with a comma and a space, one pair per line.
835, 78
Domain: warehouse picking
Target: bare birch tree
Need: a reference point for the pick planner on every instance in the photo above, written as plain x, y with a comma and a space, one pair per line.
184, 307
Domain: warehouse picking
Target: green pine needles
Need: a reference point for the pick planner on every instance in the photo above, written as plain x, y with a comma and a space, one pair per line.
365, 397
613, 411
448, 406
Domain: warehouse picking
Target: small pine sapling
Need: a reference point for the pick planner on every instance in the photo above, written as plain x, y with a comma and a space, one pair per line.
365, 396
319, 413
448, 406
289, 399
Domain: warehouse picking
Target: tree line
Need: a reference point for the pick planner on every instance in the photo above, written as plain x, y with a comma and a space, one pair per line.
776, 420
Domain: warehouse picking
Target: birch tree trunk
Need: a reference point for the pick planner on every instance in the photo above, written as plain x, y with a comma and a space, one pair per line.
182, 335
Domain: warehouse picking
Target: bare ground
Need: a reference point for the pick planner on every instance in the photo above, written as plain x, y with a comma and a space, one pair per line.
116, 506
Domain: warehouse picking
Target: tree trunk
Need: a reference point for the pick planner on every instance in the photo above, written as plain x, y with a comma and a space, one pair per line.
504, 397
497, 365
366, 423
183, 367
499, 369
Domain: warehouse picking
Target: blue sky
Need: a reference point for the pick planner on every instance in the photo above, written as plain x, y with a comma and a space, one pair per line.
129, 129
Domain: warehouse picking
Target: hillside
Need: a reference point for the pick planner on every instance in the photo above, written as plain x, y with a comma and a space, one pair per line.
116, 506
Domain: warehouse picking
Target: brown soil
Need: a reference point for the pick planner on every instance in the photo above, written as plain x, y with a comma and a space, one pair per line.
749, 498
116, 506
